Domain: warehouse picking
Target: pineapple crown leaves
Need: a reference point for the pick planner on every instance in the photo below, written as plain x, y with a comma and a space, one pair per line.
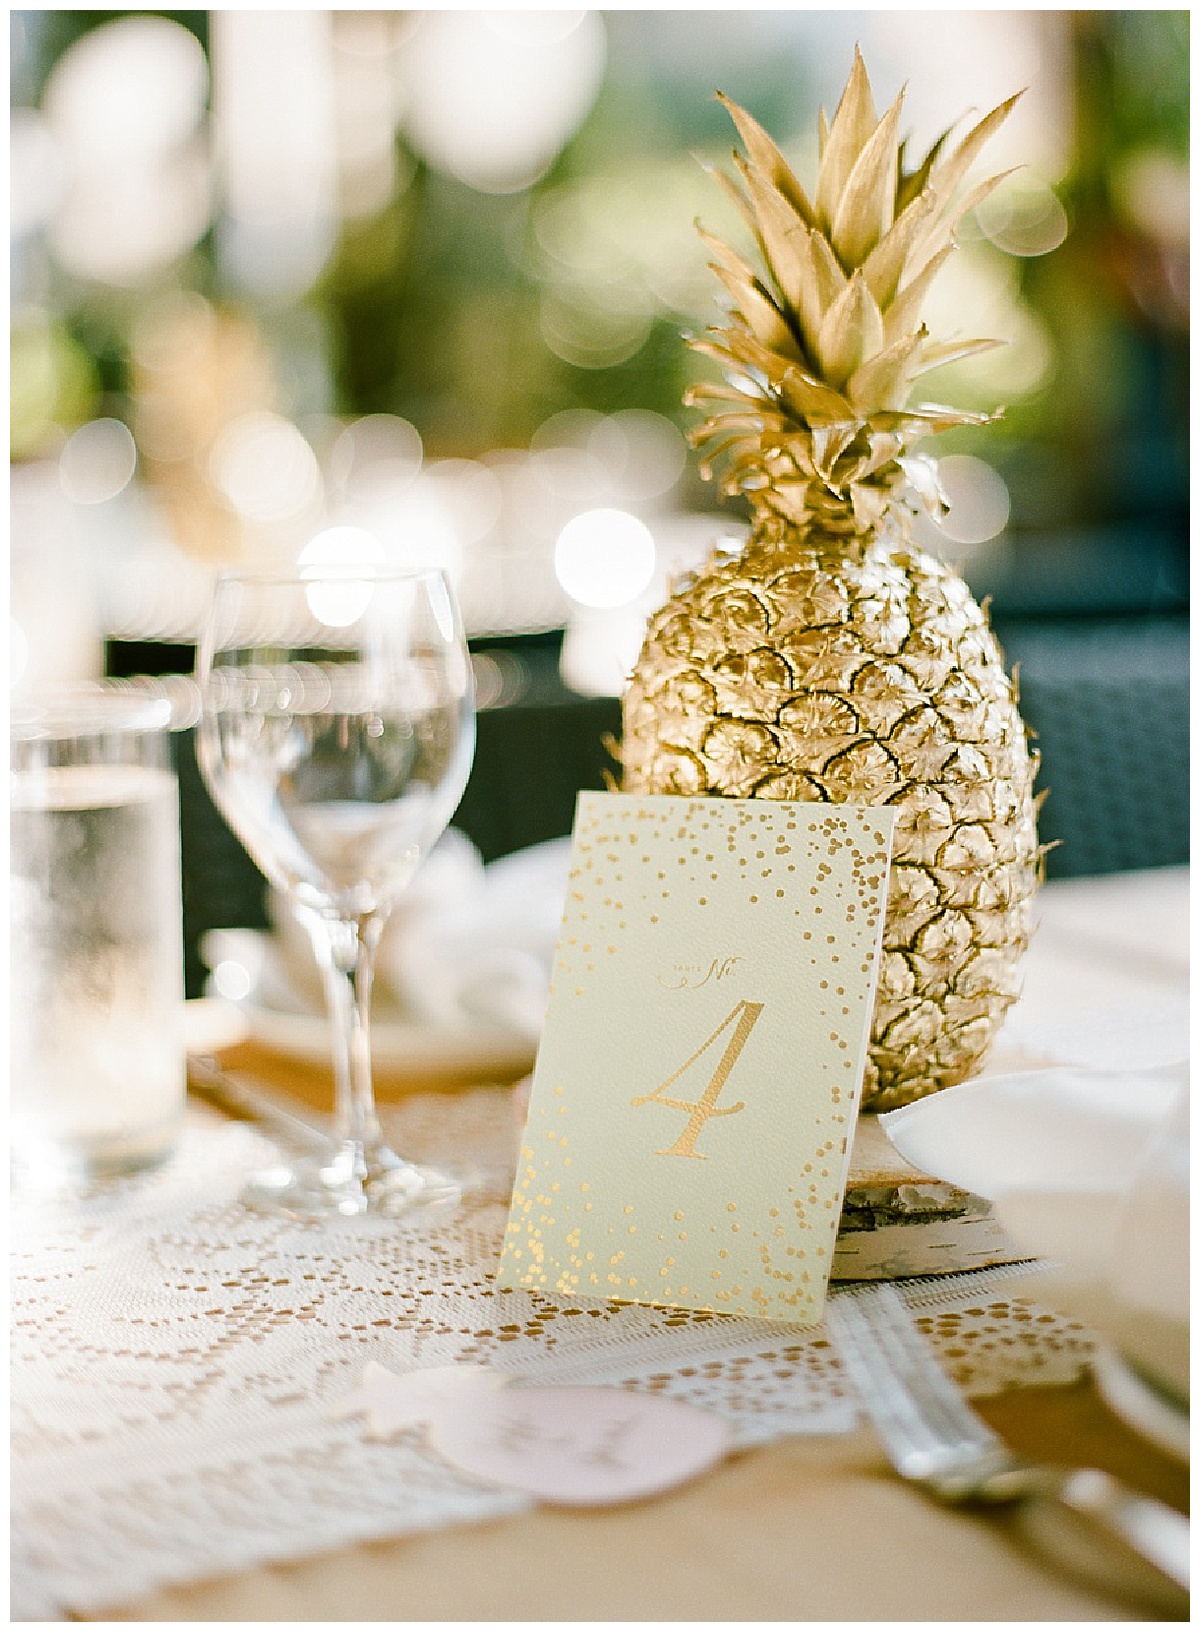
824, 344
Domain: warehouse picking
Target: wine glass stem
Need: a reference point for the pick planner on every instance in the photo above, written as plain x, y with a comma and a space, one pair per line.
348, 974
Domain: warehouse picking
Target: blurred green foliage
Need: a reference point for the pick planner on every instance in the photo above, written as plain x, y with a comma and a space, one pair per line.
1114, 293
435, 308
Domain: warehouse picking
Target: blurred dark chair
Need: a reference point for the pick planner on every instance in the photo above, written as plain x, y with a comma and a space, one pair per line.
1095, 622
1107, 702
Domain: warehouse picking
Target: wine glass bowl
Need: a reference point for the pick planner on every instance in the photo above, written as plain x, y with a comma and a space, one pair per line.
336, 738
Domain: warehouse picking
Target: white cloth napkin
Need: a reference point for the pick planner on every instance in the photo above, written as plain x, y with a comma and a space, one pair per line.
1088, 1169
476, 943
467, 946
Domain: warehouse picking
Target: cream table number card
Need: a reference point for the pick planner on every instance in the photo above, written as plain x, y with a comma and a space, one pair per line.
701, 1065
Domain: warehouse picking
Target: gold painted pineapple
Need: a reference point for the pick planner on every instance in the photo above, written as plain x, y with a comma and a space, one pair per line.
830, 659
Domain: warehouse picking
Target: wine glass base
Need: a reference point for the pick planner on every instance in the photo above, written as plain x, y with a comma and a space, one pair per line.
390, 1188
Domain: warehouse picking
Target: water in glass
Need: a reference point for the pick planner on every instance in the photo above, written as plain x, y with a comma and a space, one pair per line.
96, 1036
337, 736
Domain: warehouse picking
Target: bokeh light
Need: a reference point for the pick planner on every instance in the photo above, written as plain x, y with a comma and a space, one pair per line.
125, 228
377, 456
978, 497
37, 172
501, 679
368, 104
604, 558
132, 87
635, 455
98, 462
124, 107
615, 251
978, 293
232, 980
351, 548
339, 557
418, 528
492, 96
1023, 217
274, 126
646, 454
592, 327
265, 468
981, 57
573, 474
1152, 190
470, 495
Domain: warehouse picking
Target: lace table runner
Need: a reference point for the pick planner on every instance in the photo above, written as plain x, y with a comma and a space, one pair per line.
177, 1358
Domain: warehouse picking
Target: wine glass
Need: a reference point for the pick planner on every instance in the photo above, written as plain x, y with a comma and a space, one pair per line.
336, 737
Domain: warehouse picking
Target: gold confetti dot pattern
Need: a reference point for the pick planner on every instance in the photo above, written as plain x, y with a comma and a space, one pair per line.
701, 1065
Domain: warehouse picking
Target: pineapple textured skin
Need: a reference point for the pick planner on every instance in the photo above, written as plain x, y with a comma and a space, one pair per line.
804, 670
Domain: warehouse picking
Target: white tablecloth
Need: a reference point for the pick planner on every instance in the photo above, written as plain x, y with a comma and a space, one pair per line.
177, 1358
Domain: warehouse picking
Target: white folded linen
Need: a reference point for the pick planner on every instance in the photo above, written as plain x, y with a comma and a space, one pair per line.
468, 945
1087, 1169
466, 951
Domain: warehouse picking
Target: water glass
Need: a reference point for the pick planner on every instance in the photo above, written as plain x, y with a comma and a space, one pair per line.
98, 1068
336, 737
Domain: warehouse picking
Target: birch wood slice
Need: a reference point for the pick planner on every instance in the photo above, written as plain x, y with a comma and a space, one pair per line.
898, 1221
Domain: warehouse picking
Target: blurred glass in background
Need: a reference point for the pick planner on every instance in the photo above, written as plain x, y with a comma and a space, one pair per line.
413, 282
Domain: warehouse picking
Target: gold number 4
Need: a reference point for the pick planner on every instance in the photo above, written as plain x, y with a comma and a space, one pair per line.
742, 1017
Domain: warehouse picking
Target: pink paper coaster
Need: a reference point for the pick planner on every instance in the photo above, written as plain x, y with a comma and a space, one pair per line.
578, 1446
